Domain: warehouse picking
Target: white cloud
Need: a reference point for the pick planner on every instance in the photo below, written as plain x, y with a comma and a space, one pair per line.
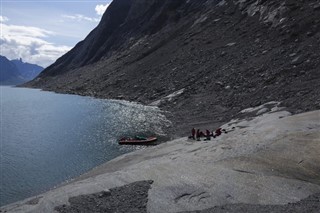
3, 19
29, 44
79, 17
100, 9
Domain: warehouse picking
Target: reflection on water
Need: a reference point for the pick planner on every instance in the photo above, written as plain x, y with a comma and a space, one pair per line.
47, 138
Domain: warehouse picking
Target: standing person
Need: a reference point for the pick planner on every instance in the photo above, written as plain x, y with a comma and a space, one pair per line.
213, 134
198, 135
193, 133
208, 135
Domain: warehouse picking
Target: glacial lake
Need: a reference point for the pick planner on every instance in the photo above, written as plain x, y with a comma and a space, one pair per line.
48, 138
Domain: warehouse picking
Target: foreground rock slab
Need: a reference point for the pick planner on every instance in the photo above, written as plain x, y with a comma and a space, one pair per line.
272, 159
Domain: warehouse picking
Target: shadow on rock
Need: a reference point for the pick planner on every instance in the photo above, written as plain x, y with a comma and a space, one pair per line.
129, 198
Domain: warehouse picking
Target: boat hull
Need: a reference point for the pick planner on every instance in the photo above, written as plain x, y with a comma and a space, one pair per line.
148, 141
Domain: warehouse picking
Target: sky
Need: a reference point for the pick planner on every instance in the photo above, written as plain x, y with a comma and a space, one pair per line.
40, 31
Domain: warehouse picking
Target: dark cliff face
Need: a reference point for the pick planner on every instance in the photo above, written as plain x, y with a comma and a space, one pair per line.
221, 55
96, 44
124, 20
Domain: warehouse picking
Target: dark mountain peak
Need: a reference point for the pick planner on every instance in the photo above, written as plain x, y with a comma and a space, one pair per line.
123, 21
97, 43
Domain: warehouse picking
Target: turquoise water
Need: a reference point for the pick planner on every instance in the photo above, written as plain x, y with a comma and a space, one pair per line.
48, 138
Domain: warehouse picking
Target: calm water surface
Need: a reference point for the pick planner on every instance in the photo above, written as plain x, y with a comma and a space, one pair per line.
47, 138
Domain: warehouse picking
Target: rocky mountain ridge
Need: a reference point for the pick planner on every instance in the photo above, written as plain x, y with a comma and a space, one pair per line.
9, 73
223, 55
28, 71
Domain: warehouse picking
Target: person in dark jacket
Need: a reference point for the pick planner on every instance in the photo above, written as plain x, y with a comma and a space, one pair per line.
193, 133
198, 135
208, 135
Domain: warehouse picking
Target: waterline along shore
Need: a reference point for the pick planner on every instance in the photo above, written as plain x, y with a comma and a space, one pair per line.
48, 138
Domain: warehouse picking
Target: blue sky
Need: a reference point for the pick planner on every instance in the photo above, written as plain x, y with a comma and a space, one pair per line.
40, 31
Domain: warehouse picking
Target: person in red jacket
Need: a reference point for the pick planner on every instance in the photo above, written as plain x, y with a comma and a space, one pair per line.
218, 132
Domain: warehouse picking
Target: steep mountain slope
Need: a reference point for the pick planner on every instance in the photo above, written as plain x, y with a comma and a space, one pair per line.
9, 73
215, 57
28, 71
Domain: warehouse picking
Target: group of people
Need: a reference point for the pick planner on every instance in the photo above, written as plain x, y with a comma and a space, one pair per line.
197, 134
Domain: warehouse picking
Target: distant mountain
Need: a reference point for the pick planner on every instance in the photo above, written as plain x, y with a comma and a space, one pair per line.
9, 73
27, 71
16, 71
